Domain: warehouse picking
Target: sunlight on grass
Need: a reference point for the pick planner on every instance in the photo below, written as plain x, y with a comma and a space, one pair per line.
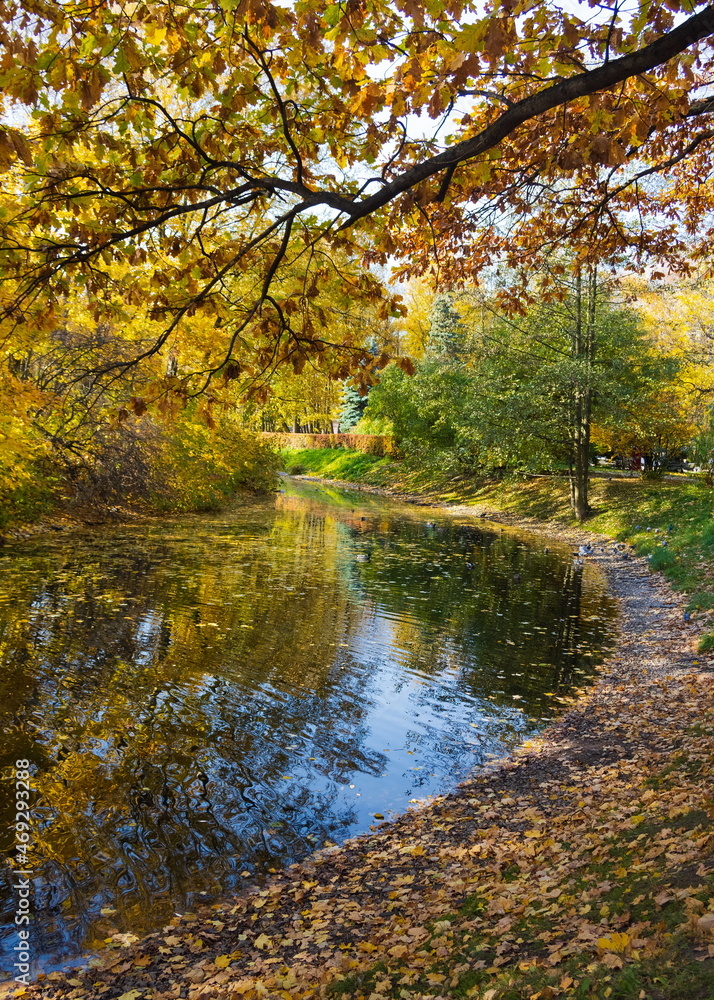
670, 522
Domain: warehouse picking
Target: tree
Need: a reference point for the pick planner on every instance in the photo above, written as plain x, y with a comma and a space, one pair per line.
241, 137
565, 365
529, 389
353, 406
430, 413
416, 323
447, 332
660, 426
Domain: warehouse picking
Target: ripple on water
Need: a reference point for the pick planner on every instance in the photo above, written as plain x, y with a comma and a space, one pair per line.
212, 696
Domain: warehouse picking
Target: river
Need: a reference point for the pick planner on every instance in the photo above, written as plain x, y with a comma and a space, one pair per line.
208, 698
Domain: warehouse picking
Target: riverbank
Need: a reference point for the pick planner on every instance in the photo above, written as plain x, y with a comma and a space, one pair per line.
667, 521
583, 866
76, 517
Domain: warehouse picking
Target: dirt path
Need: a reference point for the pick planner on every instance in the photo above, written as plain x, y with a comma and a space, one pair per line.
371, 898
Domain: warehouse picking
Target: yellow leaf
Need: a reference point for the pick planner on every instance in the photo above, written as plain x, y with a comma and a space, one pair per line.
614, 942
222, 961
262, 942
155, 34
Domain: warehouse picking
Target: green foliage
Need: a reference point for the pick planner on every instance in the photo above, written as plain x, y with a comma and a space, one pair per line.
504, 399
531, 376
429, 412
706, 642
334, 463
31, 500
26, 478
702, 450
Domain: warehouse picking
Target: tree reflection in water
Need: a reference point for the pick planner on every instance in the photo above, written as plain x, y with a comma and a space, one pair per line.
218, 695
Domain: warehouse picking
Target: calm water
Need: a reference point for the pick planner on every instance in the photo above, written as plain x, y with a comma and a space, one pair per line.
207, 698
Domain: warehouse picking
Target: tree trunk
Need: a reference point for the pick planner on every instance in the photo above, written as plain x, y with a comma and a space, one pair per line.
583, 350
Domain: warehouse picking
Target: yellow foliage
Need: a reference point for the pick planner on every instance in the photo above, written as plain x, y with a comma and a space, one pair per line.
419, 302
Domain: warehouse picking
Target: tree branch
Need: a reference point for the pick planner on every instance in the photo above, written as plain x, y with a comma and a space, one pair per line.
607, 75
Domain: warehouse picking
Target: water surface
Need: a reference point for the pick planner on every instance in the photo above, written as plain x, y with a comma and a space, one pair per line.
209, 698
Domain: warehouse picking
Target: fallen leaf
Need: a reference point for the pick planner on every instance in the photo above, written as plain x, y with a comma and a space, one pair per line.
614, 942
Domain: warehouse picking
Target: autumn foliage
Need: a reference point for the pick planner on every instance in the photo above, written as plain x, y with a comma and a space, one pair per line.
370, 444
229, 161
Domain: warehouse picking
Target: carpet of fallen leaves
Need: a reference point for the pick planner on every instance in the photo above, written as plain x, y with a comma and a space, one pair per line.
582, 866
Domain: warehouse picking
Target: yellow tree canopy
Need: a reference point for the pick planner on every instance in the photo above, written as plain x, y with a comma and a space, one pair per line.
242, 149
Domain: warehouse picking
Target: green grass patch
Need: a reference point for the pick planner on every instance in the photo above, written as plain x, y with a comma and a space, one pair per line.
645, 513
336, 463
706, 642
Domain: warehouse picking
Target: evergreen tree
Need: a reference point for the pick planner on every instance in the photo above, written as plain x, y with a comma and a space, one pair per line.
447, 332
353, 406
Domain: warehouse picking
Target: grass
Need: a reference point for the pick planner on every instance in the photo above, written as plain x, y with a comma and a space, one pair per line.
336, 463
644, 513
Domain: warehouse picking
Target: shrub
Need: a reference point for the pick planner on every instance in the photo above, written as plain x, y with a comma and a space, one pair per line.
370, 444
706, 642
181, 466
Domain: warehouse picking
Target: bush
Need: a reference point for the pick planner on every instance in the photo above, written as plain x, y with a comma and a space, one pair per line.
30, 501
199, 467
371, 444
182, 466
706, 642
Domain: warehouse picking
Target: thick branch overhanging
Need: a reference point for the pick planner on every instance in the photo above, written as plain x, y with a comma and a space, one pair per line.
608, 75
200, 171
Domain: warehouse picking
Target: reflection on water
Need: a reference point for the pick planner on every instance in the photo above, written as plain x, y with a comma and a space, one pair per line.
213, 697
